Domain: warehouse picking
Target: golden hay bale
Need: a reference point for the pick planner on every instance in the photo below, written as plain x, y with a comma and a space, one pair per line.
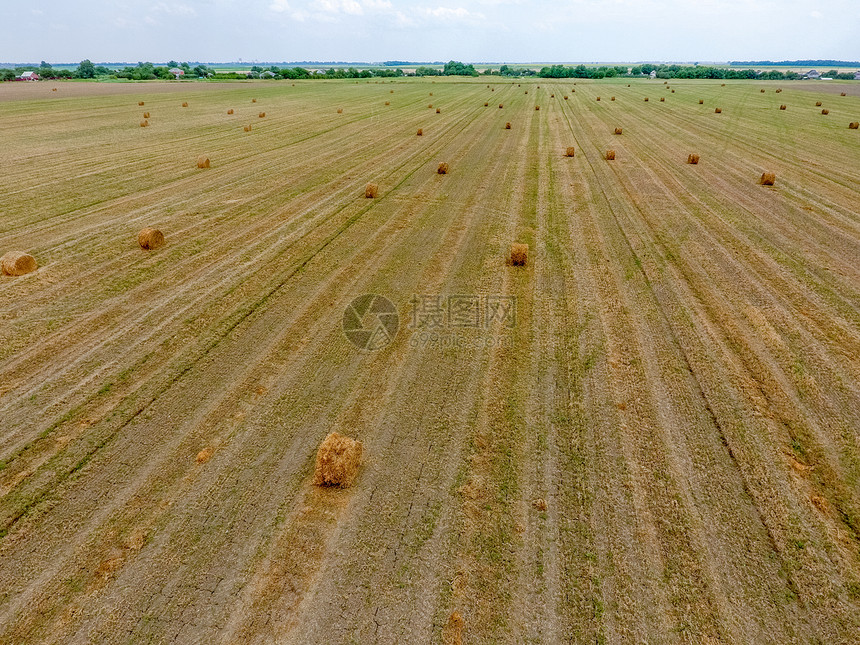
253, 100
429, 106
537, 107
493, 89
701, 102
442, 169
540, 504
185, 104
783, 107
452, 634
508, 125
388, 103
646, 98
762, 91
54, 89
854, 125
202, 161
552, 96
693, 158
438, 111
431, 93
247, 128
818, 104
778, 90
18, 263
665, 82
526, 91
673, 91
598, 98
618, 130
370, 191
570, 152
144, 124
767, 179
420, 132
230, 111
204, 455
825, 111
538, 86
565, 97
486, 104
611, 98
391, 91
723, 85
150, 238
140, 102
842, 94
662, 99
261, 114
501, 106
718, 110
610, 155
519, 254
340, 110
338, 459
146, 115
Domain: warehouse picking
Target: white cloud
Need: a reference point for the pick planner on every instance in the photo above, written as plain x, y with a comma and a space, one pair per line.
279, 6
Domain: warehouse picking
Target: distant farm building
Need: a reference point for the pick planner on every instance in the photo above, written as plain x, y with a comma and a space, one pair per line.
812, 74
29, 76
653, 74
176, 72
857, 76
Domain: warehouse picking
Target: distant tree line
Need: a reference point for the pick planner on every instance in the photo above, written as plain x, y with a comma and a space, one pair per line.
798, 63
676, 71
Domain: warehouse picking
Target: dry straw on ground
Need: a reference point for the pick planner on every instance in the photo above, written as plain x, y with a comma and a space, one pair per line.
150, 238
452, 634
854, 125
508, 125
540, 504
519, 254
420, 132
610, 155
783, 107
767, 179
371, 190
718, 110
202, 161
18, 263
618, 130
570, 152
338, 459
693, 158
442, 169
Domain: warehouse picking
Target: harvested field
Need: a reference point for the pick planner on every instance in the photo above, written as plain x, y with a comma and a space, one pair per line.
647, 433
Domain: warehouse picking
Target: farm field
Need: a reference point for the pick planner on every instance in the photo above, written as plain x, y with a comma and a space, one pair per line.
649, 433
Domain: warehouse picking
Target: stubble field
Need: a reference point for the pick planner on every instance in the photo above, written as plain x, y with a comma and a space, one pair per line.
650, 433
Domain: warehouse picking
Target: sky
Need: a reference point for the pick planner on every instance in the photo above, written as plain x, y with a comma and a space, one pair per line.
510, 31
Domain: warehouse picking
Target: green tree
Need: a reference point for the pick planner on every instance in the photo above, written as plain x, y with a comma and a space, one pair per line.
86, 69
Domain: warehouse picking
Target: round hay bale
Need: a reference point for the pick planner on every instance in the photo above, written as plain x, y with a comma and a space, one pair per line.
762, 91
420, 132
818, 104
723, 85
783, 107
261, 114
662, 99
253, 100
537, 107
340, 110
230, 111
778, 90
431, 93
140, 102
371, 190
429, 106
618, 130
203, 161
185, 104
570, 152
693, 158
854, 125
526, 91
508, 125
16, 263
391, 91
767, 179
486, 104
552, 96
718, 110
646, 98
442, 169
825, 111
388, 103
204, 455
842, 94
701, 102
338, 460
150, 238
438, 111
610, 155
673, 91
519, 254
146, 115
54, 89
501, 106
452, 633
247, 128
611, 98
565, 97
144, 124
598, 98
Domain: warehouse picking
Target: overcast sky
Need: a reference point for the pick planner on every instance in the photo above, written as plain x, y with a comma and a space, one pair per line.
425, 30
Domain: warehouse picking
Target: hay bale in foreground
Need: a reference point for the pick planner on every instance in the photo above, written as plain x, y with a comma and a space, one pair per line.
783, 107
610, 155
204, 455
818, 104
340, 110
519, 254
16, 263
146, 115
150, 238
618, 130
202, 161
825, 111
261, 114
230, 111
570, 152
420, 132
767, 179
338, 459
144, 124
718, 110
442, 169
693, 158
508, 125
854, 125
247, 128
371, 190
185, 104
